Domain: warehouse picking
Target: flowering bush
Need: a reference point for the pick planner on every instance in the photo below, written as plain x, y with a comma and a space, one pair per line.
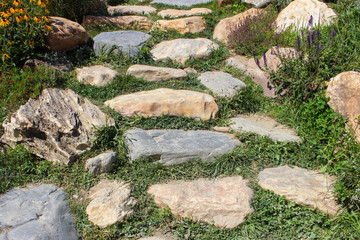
23, 25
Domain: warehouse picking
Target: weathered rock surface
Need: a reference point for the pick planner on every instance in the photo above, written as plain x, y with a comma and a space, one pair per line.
130, 10
224, 202
182, 25
57, 126
95, 75
182, 3
110, 203
35, 63
258, 3
164, 101
298, 13
177, 146
158, 237
36, 212
137, 22
222, 84
224, 28
155, 74
127, 42
65, 34
302, 186
173, 13
181, 50
344, 93
264, 126
102, 163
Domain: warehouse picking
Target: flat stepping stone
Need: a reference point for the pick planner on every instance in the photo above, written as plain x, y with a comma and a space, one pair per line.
224, 202
36, 212
181, 25
302, 186
97, 75
181, 3
138, 22
258, 3
264, 126
110, 203
164, 101
130, 10
174, 13
177, 146
222, 84
127, 42
180, 50
156, 74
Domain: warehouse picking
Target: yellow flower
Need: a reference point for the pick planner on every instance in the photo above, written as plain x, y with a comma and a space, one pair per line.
3, 3
6, 56
16, 3
36, 19
47, 1
47, 11
18, 19
31, 43
26, 17
6, 22
5, 14
47, 28
23, 10
14, 10
39, 2
46, 19
43, 4
9, 43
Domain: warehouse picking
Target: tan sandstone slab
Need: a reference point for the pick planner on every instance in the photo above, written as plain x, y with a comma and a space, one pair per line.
110, 203
182, 25
130, 10
97, 75
164, 101
173, 13
155, 74
302, 186
224, 202
298, 13
137, 22
344, 93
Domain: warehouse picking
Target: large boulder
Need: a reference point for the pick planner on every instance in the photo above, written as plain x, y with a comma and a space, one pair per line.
96, 75
182, 25
182, 3
155, 74
164, 101
65, 34
36, 212
173, 13
130, 10
136, 22
57, 126
177, 146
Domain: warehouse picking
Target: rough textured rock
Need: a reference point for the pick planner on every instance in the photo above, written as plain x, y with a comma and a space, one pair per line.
299, 12
127, 42
344, 93
158, 237
226, 25
130, 10
224, 202
258, 3
36, 212
264, 126
102, 163
65, 34
137, 22
110, 203
57, 126
173, 13
182, 25
182, 3
154, 74
35, 63
181, 49
164, 101
177, 146
222, 84
302, 186
95, 75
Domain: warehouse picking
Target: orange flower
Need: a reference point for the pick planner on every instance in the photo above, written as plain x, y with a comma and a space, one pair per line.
26, 17
14, 10
5, 14
36, 19
47, 28
9, 43
31, 43
47, 11
43, 4
18, 19
16, 3
6, 56
23, 10
4, 23
3, 3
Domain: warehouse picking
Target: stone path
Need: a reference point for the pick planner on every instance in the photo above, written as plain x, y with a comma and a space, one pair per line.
95, 75
182, 3
173, 13
136, 22
182, 25
130, 10
155, 74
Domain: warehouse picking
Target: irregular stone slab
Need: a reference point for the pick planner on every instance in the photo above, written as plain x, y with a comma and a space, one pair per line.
155, 74
258, 3
65, 34
178, 146
298, 13
127, 42
224, 28
97, 75
164, 101
158, 237
182, 3
182, 25
173, 13
181, 49
138, 22
130, 10
222, 84
264, 126
33, 64
302, 186
224, 202
102, 163
36, 212
110, 203
344, 93
57, 126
